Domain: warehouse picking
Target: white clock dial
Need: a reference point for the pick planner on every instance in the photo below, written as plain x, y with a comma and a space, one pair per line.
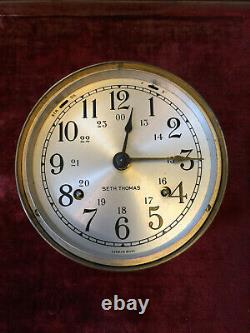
121, 165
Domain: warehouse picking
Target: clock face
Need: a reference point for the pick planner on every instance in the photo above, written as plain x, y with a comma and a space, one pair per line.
121, 166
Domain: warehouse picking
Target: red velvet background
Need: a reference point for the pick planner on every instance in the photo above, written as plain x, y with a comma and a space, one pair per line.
206, 289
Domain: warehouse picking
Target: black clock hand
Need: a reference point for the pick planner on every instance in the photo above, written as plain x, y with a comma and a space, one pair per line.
176, 158
128, 129
121, 160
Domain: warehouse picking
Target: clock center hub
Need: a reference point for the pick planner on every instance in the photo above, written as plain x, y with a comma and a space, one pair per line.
121, 161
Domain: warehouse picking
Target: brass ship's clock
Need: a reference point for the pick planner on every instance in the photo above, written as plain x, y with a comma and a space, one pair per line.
121, 166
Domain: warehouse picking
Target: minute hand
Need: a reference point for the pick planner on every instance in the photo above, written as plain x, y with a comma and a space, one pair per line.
176, 158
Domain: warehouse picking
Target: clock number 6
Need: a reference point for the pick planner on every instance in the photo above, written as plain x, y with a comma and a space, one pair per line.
122, 230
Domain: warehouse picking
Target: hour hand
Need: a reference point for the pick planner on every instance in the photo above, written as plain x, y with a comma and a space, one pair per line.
128, 129
121, 160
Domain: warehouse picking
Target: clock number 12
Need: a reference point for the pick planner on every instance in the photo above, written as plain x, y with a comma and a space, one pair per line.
121, 96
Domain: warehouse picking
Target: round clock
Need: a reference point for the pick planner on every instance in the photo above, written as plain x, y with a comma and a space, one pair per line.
121, 166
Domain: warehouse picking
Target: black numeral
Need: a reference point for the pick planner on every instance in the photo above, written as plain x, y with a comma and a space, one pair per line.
101, 123
144, 122
159, 223
174, 123
84, 183
122, 210
158, 137
148, 200
151, 107
187, 152
66, 198
121, 229
74, 163
84, 139
162, 180
101, 201
57, 162
120, 116
180, 193
69, 131
89, 211
122, 96
85, 109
